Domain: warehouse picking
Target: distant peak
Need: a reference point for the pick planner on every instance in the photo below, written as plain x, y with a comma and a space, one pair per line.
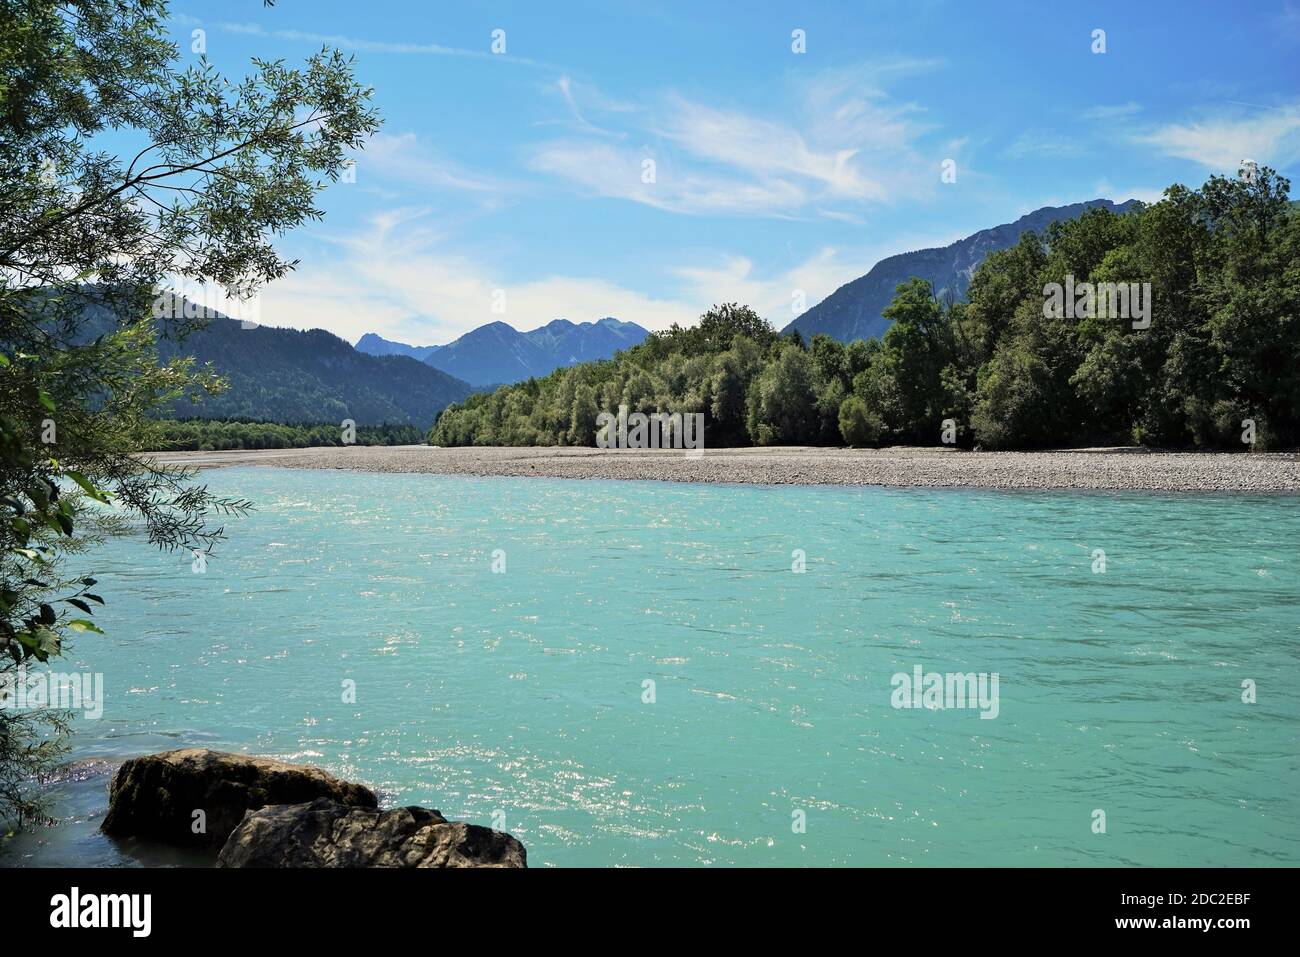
374, 337
1085, 204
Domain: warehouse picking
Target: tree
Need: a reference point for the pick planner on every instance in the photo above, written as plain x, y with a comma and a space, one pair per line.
713, 333
734, 371
1249, 296
782, 402
859, 425
582, 417
904, 381
88, 236
721, 324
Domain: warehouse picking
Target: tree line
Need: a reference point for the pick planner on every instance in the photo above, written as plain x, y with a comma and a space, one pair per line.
1202, 354
209, 435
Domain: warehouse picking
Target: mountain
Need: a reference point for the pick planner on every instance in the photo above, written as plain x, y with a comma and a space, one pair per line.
285, 375
853, 311
498, 353
376, 345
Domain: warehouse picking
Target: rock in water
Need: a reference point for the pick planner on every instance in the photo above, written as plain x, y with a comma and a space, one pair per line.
325, 833
158, 796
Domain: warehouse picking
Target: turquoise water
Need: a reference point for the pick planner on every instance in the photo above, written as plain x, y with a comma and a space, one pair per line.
523, 692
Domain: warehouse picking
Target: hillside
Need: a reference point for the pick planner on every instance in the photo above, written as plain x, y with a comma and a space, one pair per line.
291, 376
286, 375
853, 311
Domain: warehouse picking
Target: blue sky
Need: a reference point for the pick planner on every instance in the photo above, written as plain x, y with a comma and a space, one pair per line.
516, 178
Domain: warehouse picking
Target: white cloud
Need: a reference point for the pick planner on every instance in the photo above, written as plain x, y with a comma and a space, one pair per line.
349, 43
403, 47
396, 280
844, 142
780, 296
1074, 140
571, 92
404, 157
620, 172
1221, 141
769, 151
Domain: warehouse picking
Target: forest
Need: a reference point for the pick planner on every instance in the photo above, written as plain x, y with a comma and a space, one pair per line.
207, 435
1211, 362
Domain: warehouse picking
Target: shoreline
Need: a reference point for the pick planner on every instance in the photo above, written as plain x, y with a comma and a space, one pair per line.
1114, 469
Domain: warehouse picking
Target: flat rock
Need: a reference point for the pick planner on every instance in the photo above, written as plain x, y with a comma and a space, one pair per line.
157, 796
324, 833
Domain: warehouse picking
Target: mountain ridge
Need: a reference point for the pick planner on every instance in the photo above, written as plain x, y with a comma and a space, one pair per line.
294, 376
497, 353
288, 375
853, 311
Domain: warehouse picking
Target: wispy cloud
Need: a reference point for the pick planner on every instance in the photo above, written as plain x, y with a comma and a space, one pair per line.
846, 143
362, 45
619, 172
397, 278
1073, 140
771, 151
570, 91
777, 296
1045, 146
406, 158
349, 43
1112, 111
780, 295
1220, 140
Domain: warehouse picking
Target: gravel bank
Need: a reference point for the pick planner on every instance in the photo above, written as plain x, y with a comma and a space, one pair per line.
1101, 469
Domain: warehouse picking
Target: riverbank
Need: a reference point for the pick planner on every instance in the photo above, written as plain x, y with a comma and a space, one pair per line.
1089, 469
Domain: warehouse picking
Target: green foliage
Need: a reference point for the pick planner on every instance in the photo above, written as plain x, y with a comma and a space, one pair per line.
208, 435
713, 333
216, 170
903, 384
782, 400
1224, 267
751, 385
859, 426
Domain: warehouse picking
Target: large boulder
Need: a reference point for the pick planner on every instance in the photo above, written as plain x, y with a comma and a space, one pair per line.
157, 796
325, 833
